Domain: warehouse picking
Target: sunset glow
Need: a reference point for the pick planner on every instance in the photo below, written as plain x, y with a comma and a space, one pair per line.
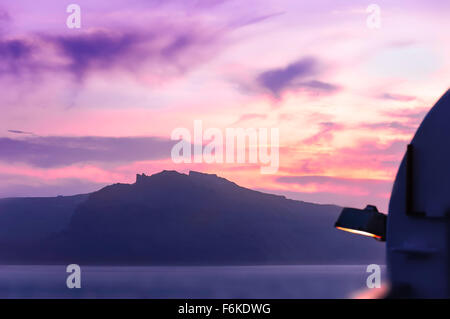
84, 108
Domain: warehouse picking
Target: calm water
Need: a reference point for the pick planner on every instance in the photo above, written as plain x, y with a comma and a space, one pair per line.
185, 282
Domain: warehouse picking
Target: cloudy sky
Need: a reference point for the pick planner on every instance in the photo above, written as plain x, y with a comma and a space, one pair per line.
83, 108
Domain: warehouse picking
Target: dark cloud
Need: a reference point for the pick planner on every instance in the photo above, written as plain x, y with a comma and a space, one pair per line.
152, 52
297, 75
14, 49
20, 132
160, 49
15, 55
99, 50
130, 51
54, 151
278, 79
178, 44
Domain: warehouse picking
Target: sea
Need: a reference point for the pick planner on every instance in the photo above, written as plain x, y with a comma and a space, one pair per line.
186, 282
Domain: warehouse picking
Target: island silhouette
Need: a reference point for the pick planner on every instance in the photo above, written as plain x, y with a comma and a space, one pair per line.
171, 218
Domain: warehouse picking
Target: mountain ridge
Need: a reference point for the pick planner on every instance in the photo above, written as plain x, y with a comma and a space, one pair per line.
173, 218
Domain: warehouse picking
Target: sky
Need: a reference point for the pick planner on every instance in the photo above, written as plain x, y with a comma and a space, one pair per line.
85, 107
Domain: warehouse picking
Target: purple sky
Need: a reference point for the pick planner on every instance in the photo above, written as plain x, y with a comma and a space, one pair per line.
82, 108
